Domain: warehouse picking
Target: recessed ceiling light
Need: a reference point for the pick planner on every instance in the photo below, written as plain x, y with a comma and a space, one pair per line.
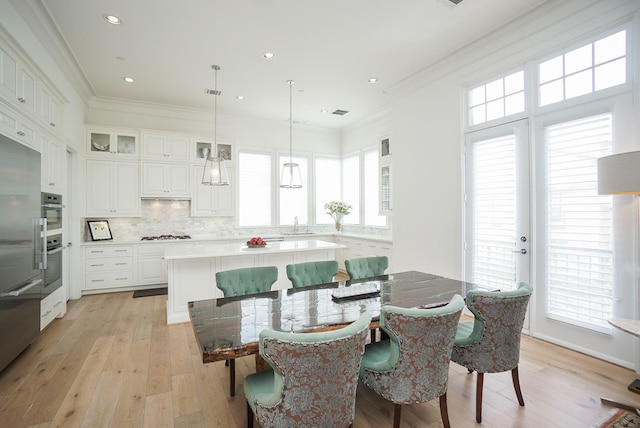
373, 80
240, 97
267, 55
324, 111
112, 19
128, 79
120, 58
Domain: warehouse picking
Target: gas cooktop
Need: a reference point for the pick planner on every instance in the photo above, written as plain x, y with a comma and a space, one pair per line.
164, 237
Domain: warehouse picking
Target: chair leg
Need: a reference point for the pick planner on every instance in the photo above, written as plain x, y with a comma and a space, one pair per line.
444, 413
479, 385
373, 335
516, 385
397, 411
226, 363
249, 416
232, 377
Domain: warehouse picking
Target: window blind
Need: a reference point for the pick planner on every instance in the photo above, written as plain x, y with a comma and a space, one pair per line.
254, 189
494, 212
579, 223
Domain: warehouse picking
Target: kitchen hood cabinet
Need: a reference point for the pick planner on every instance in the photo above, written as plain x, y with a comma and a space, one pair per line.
112, 189
210, 201
161, 180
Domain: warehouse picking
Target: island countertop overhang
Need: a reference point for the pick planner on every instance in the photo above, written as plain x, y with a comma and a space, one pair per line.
198, 251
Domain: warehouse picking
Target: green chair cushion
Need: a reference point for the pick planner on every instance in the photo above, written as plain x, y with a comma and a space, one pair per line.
239, 282
312, 273
366, 267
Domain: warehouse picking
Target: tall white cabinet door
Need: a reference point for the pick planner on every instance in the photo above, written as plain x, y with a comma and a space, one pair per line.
211, 200
53, 164
177, 180
99, 188
153, 179
126, 191
8, 74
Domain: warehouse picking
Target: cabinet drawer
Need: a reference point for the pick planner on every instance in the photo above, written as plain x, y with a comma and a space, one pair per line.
151, 249
109, 280
107, 251
107, 264
51, 307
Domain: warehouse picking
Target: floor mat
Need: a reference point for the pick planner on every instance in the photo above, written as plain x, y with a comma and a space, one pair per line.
150, 292
620, 418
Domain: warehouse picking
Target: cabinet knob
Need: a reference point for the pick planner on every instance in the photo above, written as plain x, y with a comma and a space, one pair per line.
21, 133
52, 124
22, 100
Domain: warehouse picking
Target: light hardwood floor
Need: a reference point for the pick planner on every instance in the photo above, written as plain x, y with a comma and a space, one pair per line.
113, 362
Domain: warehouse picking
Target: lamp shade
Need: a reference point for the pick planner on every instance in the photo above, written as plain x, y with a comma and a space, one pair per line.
215, 172
291, 177
619, 174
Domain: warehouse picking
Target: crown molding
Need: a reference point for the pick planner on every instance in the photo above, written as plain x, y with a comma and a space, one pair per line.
38, 19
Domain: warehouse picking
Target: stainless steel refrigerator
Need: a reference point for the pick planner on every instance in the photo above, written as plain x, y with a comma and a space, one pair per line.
21, 255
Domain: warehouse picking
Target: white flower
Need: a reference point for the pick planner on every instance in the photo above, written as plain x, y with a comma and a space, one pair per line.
337, 207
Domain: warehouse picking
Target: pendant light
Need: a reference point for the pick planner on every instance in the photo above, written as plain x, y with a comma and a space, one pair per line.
215, 170
290, 177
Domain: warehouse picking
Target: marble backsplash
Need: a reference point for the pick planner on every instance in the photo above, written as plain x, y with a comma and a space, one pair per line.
169, 217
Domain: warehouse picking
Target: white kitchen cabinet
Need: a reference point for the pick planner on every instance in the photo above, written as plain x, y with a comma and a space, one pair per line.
14, 126
110, 143
222, 147
207, 201
26, 89
151, 266
165, 180
8, 73
108, 267
385, 197
49, 108
52, 163
356, 247
52, 306
165, 147
112, 189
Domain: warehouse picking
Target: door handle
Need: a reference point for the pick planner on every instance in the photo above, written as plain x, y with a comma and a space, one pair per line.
16, 293
522, 251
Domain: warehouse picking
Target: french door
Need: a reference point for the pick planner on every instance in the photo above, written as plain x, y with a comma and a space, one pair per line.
497, 235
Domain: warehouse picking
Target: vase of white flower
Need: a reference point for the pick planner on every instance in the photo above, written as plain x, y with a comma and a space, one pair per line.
337, 210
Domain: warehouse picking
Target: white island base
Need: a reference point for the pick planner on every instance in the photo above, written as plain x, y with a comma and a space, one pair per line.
192, 268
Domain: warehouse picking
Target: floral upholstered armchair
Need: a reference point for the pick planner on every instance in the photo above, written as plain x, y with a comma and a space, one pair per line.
412, 366
491, 343
314, 378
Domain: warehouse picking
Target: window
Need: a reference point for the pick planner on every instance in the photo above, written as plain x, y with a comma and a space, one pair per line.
579, 223
499, 98
254, 189
590, 68
371, 190
294, 202
327, 186
351, 187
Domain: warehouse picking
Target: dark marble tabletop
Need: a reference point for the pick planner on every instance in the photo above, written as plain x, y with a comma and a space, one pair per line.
230, 327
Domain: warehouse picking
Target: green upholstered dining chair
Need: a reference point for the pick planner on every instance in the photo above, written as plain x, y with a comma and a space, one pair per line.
239, 282
366, 267
491, 342
313, 380
412, 365
312, 273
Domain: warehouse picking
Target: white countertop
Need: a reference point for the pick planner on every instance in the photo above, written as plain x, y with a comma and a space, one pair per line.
198, 251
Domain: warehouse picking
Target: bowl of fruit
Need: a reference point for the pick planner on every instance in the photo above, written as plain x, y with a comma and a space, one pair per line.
256, 242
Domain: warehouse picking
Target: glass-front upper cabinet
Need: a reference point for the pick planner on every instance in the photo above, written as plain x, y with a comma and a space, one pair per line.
112, 142
385, 194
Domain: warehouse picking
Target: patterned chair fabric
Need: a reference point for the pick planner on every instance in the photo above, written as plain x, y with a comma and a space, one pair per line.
312, 273
412, 366
366, 267
314, 378
238, 282
491, 342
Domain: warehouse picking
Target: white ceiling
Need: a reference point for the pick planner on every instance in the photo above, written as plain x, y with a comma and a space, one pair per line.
330, 48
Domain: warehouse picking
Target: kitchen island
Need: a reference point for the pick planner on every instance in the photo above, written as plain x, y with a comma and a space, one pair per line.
192, 268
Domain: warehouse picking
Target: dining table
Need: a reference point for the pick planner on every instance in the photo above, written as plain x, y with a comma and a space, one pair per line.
228, 328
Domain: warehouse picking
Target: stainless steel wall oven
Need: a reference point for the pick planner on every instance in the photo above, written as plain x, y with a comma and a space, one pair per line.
52, 210
53, 265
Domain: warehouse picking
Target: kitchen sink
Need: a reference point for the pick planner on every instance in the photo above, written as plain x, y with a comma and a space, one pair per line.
298, 233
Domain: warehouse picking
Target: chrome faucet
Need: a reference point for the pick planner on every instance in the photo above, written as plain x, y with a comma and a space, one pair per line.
295, 224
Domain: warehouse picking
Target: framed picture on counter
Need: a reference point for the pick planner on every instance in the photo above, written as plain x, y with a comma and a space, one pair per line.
99, 230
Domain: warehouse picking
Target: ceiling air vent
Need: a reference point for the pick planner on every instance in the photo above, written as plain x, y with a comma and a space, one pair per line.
340, 112
450, 3
212, 92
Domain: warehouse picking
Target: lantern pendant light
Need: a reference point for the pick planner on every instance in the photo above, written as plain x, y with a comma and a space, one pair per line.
290, 177
215, 170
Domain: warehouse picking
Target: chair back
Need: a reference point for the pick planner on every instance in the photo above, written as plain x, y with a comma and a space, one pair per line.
415, 368
315, 376
493, 345
238, 282
312, 273
366, 267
